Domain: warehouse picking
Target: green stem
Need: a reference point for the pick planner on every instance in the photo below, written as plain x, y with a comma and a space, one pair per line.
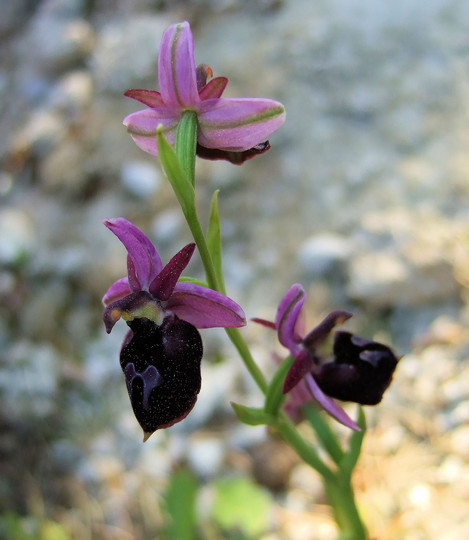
243, 350
185, 144
323, 432
291, 436
212, 281
199, 238
337, 485
339, 491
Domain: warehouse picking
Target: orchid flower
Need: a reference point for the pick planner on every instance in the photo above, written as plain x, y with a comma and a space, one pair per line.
162, 351
360, 370
228, 128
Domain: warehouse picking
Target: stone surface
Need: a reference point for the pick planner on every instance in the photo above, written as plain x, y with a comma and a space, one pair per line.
363, 198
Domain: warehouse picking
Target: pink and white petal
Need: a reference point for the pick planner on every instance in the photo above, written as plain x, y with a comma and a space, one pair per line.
214, 88
238, 124
177, 76
329, 405
163, 285
146, 260
150, 98
205, 308
287, 315
117, 290
142, 127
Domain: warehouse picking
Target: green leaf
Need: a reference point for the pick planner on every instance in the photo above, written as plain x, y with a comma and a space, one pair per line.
185, 143
241, 507
51, 530
350, 459
180, 498
274, 396
174, 171
252, 416
323, 431
214, 239
15, 527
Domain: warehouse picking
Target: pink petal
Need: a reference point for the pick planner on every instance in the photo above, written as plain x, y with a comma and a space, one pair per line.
142, 126
117, 290
264, 322
287, 315
321, 331
205, 308
176, 67
238, 124
163, 285
302, 365
299, 396
214, 88
151, 98
132, 277
146, 262
329, 405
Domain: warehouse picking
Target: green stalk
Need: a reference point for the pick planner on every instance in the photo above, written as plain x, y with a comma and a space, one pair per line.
324, 432
339, 491
199, 238
337, 483
243, 350
185, 145
309, 455
212, 281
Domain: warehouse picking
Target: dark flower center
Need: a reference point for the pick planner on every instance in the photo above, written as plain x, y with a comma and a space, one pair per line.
360, 372
162, 369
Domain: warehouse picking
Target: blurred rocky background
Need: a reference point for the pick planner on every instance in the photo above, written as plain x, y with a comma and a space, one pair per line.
363, 198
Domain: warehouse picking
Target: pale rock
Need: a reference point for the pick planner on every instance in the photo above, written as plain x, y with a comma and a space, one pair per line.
73, 93
17, 236
167, 226
126, 53
140, 178
39, 135
57, 44
205, 455
323, 253
378, 279
31, 381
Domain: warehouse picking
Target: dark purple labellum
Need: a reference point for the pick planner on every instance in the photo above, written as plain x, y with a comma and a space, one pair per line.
237, 158
361, 370
161, 365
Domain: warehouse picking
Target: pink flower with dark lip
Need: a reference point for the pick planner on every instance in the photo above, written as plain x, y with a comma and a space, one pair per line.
161, 353
360, 370
228, 128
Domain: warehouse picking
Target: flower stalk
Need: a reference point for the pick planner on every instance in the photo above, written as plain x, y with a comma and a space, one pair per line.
337, 483
184, 145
